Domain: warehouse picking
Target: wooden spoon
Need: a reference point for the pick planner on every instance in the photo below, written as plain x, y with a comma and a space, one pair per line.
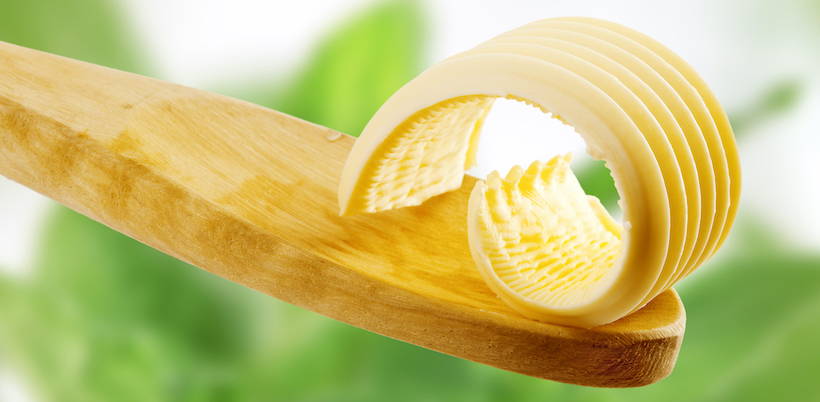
249, 194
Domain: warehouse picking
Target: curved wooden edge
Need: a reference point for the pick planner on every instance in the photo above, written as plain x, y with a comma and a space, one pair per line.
68, 130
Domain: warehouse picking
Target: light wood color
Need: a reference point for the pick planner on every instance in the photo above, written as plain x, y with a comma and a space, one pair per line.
249, 194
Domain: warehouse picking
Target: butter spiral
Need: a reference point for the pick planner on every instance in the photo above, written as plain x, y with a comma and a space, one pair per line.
636, 104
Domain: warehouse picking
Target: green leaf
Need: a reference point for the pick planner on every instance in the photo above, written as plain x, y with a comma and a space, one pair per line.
88, 30
596, 179
358, 67
776, 100
107, 318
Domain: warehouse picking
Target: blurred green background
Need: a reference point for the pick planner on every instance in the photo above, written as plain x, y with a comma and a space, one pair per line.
100, 317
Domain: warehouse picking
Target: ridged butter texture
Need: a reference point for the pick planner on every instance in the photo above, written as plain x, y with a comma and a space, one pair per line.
425, 156
544, 238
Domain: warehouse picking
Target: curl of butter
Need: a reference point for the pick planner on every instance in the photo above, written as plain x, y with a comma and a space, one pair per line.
636, 104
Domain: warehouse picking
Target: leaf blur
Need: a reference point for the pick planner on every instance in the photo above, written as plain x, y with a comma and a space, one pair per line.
355, 70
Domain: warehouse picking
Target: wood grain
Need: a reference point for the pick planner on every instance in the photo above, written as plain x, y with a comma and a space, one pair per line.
249, 194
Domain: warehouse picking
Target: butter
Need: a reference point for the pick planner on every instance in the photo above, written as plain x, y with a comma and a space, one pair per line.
542, 244
636, 104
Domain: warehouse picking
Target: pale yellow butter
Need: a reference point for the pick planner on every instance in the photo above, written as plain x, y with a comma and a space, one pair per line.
636, 104
540, 243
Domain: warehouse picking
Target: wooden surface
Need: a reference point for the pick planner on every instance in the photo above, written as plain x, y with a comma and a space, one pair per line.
250, 194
